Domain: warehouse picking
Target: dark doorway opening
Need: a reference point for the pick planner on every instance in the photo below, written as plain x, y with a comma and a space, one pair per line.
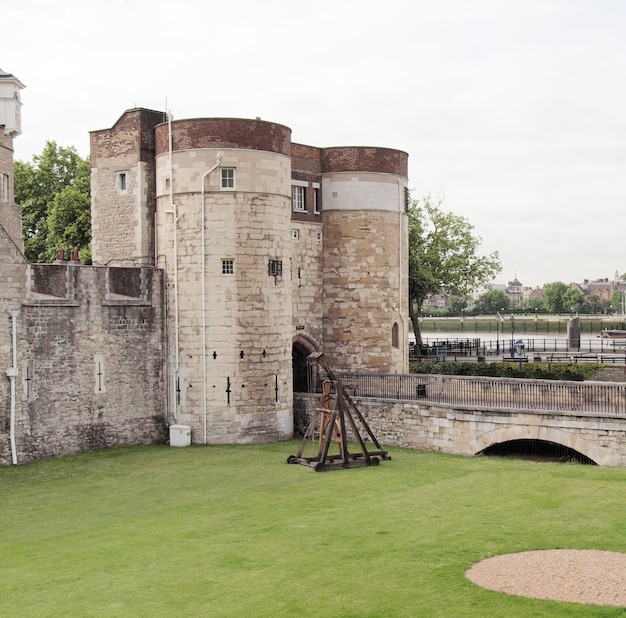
299, 354
537, 450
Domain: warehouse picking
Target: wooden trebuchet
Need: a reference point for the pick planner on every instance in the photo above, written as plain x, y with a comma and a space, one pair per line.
329, 424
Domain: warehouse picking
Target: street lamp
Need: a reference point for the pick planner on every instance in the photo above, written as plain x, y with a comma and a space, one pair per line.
512, 335
498, 333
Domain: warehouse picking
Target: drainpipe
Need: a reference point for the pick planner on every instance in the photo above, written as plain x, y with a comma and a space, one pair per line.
218, 158
174, 211
12, 375
401, 292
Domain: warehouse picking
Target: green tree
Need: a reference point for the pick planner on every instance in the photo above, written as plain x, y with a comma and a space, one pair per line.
492, 302
554, 297
593, 305
574, 300
533, 305
443, 255
53, 190
456, 305
618, 301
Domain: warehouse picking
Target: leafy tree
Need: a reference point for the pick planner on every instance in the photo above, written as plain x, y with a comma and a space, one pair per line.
555, 297
533, 305
456, 305
492, 302
53, 190
593, 305
617, 300
443, 255
69, 223
574, 300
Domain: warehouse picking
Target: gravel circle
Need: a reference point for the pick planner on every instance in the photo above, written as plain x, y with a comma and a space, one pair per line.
573, 575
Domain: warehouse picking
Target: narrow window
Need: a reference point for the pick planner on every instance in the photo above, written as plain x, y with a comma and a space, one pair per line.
316, 198
99, 386
318, 235
122, 181
275, 268
4, 189
228, 178
295, 234
298, 198
395, 335
228, 267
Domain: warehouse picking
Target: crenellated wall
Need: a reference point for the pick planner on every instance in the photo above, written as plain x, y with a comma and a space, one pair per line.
90, 359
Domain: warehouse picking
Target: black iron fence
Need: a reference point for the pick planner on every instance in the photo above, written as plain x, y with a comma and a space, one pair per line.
586, 398
599, 350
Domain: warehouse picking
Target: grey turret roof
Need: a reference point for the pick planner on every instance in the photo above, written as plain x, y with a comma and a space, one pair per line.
5, 75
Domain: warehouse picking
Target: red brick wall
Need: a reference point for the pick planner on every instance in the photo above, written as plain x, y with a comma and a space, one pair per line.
225, 133
365, 159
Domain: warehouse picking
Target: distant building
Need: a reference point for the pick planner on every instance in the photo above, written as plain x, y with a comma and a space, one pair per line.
514, 291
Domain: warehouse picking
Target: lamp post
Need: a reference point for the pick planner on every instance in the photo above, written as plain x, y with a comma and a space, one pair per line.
512, 335
498, 333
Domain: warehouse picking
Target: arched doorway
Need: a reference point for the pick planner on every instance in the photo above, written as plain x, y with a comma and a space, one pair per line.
301, 349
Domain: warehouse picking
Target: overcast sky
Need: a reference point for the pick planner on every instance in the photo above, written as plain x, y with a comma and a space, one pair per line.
513, 111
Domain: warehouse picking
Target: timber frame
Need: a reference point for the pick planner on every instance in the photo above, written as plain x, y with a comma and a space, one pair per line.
329, 421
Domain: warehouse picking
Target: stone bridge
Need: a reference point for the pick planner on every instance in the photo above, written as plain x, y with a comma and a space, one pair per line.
589, 421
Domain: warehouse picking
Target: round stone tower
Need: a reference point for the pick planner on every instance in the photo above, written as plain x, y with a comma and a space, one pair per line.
365, 278
223, 207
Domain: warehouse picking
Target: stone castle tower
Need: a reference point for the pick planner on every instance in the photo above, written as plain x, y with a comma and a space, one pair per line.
10, 127
272, 250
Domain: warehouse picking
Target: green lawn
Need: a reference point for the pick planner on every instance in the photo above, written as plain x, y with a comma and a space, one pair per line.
235, 531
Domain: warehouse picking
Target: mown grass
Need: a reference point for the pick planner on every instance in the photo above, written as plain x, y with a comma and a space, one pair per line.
235, 531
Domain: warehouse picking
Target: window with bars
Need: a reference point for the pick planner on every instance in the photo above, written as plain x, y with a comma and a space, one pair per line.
275, 268
228, 267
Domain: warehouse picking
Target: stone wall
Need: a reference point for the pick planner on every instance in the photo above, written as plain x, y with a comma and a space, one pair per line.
466, 431
90, 360
365, 290
10, 213
233, 371
12, 286
123, 191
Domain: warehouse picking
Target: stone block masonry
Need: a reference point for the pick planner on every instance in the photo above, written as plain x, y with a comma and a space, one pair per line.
465, 430
90, 361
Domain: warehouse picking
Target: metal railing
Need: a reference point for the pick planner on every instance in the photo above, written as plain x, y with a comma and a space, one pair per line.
597, 350
586, 398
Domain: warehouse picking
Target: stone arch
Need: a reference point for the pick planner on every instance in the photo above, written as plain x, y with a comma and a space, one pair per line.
395, 335
301, 348
598, 454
